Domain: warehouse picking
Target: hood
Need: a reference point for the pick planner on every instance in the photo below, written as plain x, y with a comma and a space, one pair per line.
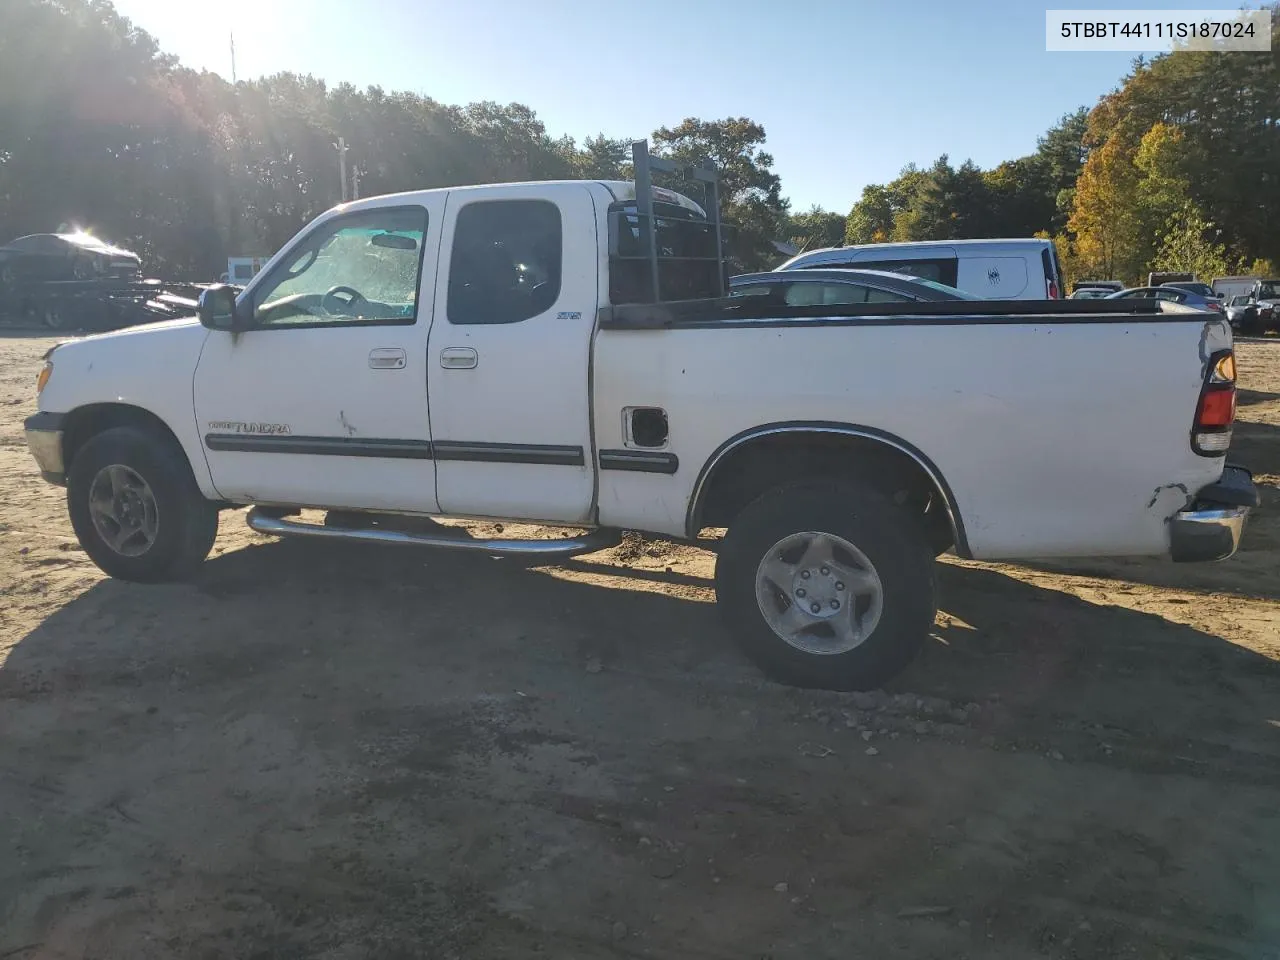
150, 331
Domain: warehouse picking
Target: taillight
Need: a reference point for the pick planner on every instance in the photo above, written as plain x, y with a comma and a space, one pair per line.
1216, 409
1053, 290
1214, 305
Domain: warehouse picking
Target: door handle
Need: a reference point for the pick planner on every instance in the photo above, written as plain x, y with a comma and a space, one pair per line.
387, 358
459, 358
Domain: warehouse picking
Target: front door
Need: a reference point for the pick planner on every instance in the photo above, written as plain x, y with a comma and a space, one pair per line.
323, 402
510, 353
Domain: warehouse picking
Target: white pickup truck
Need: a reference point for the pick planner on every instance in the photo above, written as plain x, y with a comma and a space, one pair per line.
562, 353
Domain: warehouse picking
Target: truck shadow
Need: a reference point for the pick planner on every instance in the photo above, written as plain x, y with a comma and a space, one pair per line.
385, 614
1055, 654
335, 727
1247, 398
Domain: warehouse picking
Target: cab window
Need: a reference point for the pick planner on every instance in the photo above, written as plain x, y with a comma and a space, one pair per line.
362, 268
506, 261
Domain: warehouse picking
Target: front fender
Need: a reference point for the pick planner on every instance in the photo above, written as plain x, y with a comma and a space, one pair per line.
150, 368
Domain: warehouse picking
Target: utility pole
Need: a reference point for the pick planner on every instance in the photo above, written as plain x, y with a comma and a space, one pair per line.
341, 147
355, 181
233, 58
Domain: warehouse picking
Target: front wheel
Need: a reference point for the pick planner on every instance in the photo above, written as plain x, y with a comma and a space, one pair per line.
828, 586
136, 508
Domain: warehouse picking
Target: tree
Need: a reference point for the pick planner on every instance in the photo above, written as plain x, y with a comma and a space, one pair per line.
815, 228
1188, 246
946, 204
1105, 218
751, 192
1165, 187
604, 159
1060, 156
1227, 108
871, 219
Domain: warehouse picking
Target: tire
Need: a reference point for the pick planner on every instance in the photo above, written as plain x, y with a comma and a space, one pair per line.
886, 543
175, 532
51, 318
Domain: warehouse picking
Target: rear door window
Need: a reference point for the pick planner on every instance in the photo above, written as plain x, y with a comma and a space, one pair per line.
940, 269
506, 261
819, 294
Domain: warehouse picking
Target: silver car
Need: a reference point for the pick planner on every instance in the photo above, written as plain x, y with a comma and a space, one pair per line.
814, 288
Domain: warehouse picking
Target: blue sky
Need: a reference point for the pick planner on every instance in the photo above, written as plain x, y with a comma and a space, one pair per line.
848, 92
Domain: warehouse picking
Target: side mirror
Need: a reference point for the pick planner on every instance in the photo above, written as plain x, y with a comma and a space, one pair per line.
217, 309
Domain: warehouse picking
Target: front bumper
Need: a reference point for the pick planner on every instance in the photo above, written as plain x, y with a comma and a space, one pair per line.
1211, 528
44, 440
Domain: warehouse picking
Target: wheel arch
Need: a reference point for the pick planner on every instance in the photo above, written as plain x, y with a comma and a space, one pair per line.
85, 422
713, 494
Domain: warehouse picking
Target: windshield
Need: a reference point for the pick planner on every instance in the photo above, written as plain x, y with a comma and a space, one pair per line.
1269, 290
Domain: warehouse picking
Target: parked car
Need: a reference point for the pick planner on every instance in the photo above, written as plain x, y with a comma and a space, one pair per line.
841, 454
1170, 295
1156, 278
1091, 293
1242, 314
1266, 294
988, 269
1194, 286
1111, 286
64, 256
797, 288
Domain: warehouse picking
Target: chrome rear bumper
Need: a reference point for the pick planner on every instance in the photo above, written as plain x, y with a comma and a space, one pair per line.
1212, 527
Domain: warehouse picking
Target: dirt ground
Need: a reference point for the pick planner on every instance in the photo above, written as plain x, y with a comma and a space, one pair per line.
324, 751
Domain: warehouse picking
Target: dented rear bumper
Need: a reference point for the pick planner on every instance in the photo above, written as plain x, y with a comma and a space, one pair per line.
1210, 529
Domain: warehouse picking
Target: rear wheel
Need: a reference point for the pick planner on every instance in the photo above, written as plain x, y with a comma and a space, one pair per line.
827, 585
136, 508
50, 317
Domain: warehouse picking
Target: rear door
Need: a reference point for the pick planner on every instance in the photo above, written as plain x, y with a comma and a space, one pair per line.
999, 278
510, 352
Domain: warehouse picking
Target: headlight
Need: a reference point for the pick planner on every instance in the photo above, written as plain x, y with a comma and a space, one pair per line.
43, 379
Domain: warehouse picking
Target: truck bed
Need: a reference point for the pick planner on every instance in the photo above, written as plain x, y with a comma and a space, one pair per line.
1058, 427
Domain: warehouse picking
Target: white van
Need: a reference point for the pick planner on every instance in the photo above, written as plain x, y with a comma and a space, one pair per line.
991, 269
1228, 287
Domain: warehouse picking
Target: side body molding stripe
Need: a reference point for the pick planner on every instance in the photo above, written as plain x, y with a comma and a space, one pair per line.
546, 454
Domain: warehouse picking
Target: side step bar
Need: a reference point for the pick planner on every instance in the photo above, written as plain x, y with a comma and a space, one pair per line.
538, 549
